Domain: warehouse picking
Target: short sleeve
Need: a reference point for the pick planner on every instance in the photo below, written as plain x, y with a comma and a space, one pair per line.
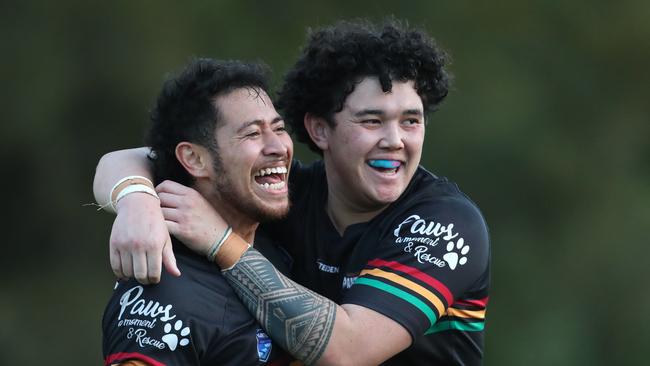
149, 323
194, 319
431, 254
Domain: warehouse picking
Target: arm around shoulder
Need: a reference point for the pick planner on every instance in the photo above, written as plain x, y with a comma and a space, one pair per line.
328, 334
140, 243
362, 336
116, 165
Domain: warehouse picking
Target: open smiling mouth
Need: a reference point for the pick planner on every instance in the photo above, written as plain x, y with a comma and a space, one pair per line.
385, 166
271, 179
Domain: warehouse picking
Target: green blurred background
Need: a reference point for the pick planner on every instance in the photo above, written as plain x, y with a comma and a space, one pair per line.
547, 129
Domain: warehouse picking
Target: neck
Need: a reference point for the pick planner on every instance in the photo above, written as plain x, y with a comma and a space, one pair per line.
241, 224
344, 211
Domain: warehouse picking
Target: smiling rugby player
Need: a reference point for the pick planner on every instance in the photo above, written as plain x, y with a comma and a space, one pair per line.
212, 113
397, 256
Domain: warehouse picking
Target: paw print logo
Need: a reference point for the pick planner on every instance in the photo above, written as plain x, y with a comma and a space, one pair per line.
172, 339
456, 253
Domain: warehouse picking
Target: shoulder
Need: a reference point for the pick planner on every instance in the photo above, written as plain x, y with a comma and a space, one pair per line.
172, 320
186, 298
201, 283
182, 320
430, 195
436, 225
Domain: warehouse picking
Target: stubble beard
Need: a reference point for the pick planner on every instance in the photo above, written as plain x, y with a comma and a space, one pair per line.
247, 205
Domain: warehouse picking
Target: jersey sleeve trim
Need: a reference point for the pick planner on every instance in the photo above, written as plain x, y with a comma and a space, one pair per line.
433, 299
415, 273
478, 303
465, 315
409, 284
401, 294
444, 325
125, 356
468, 314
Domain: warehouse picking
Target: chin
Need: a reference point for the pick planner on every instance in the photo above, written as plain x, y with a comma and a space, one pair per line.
273, 213
389, 195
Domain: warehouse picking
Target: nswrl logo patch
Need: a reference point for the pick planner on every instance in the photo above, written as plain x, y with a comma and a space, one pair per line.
263, 345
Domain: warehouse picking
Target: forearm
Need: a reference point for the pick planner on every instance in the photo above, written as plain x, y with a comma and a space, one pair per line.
309, 326
300, 320
116, 165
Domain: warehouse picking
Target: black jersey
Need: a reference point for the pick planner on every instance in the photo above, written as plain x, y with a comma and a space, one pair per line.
194, 319
423, 262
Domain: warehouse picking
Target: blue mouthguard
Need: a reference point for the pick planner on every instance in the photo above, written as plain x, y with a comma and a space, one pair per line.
386, 164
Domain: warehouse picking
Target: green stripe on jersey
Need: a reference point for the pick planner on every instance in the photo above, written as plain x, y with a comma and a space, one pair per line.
455, 325
399, 293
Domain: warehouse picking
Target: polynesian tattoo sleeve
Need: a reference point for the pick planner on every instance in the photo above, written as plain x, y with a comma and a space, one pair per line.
298, 319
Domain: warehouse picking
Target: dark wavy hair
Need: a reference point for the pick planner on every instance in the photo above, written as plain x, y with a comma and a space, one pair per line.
186, 111
336, 58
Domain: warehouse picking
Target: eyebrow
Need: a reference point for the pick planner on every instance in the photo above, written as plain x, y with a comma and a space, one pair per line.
259, 122
379, 112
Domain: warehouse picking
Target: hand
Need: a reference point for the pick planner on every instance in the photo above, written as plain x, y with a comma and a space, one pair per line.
190, 217
140, 240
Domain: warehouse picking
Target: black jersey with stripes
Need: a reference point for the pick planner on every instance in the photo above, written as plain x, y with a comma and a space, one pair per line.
423, 262
194, 319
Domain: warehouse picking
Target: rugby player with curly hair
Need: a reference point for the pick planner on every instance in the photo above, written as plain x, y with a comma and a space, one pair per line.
391, 262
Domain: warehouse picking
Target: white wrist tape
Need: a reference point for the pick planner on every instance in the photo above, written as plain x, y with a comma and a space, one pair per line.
112, 200
133, 188
131, 177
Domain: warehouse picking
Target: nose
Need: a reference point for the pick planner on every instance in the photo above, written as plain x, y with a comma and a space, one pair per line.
392, 138
275, 144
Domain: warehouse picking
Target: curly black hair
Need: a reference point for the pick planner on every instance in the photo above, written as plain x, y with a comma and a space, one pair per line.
185, 110
336, 58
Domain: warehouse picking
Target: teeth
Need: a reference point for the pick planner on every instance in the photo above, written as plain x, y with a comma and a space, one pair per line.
273, 187
267, 171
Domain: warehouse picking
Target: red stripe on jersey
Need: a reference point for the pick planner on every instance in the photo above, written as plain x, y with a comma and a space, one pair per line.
478, 302
416, 273
125, 356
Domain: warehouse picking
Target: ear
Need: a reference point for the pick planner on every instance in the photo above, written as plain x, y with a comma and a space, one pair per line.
194, 158
318, 130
